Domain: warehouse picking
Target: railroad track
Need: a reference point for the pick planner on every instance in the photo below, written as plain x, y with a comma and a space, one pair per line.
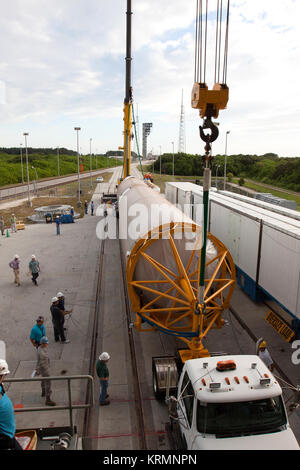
91, 415
94, 337
139, 404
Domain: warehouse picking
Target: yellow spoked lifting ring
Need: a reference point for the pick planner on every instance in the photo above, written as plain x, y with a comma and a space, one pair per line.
167, 299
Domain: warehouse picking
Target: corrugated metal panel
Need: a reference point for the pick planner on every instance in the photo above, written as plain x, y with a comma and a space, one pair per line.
265, 205
237, 222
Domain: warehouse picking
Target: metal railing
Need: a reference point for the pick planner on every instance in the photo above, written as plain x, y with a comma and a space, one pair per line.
69, 406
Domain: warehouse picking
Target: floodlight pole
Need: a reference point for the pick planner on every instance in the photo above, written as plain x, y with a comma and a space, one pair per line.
91, 163
26, 150
225, 160
77, 129
58, 170
22, 163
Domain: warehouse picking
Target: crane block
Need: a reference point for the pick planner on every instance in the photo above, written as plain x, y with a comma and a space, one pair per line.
209, 101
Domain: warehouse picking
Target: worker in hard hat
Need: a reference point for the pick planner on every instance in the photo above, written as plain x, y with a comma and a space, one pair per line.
265, 356
7, 415
15, 266
43, 369
61, 303
103, 374
38, 331
34, 269
61, 306
13, 222
58, 322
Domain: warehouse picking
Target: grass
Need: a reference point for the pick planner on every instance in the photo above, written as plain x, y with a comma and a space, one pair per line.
46, 166
276, 192
63, 194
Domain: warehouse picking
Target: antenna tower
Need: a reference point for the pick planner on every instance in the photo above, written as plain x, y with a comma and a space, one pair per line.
181, 142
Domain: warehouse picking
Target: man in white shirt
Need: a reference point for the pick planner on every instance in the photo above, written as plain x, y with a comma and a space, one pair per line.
265, 356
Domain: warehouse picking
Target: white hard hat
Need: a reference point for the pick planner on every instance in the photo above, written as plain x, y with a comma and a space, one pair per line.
59, 294
54, 299
3, 367
44, 340
104, 356
32, 256
17, 256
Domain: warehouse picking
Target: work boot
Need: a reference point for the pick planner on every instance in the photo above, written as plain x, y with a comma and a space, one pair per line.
106, 402
49, 402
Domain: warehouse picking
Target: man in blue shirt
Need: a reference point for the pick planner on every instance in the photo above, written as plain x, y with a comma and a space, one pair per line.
34, 268
37, 332
57, 222
7, 415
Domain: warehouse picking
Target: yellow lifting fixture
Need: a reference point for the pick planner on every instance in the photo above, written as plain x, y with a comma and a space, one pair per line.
167, 296
210, 102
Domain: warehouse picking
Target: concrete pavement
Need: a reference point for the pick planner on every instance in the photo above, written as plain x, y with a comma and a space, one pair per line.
69, 263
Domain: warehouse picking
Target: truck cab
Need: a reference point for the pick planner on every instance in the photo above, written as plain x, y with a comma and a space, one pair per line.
226, 403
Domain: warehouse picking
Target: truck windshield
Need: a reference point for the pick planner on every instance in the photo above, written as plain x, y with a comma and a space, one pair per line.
241, 418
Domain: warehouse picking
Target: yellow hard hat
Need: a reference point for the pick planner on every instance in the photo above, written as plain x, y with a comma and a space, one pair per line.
263, 344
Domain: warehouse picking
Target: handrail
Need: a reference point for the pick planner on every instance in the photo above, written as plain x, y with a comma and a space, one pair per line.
70, 406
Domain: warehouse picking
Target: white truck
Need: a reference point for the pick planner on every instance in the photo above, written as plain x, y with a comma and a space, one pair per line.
225, 403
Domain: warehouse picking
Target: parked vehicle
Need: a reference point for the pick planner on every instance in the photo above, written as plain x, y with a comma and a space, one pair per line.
225, 402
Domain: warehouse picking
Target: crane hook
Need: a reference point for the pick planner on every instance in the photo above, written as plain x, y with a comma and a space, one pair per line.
208, 124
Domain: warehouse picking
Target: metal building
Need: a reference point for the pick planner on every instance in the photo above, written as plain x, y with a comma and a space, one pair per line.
265, 245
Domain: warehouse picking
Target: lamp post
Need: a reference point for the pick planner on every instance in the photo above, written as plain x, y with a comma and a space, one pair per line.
22, 163
225, 160
58, 172
160, 160
173, 159
91, 163
26, 151
77, 129
218, 166
36, 178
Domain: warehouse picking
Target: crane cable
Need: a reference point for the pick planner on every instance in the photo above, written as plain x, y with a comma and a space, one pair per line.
209, 111
137, 141
201, 41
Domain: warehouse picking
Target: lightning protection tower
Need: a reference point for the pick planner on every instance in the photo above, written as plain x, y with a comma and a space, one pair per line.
146, 131
181, 141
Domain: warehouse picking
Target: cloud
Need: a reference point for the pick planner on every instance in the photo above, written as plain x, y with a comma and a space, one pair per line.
63, 61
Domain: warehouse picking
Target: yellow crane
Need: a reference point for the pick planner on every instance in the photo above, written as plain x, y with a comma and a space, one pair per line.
128, 100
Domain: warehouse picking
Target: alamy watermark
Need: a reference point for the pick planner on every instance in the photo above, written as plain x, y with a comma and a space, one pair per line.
143, 218
296, 354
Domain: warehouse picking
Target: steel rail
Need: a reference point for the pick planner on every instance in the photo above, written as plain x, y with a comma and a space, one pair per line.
135, 372
94, 337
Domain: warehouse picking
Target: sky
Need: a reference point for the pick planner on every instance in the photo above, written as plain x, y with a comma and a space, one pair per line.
62, 65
